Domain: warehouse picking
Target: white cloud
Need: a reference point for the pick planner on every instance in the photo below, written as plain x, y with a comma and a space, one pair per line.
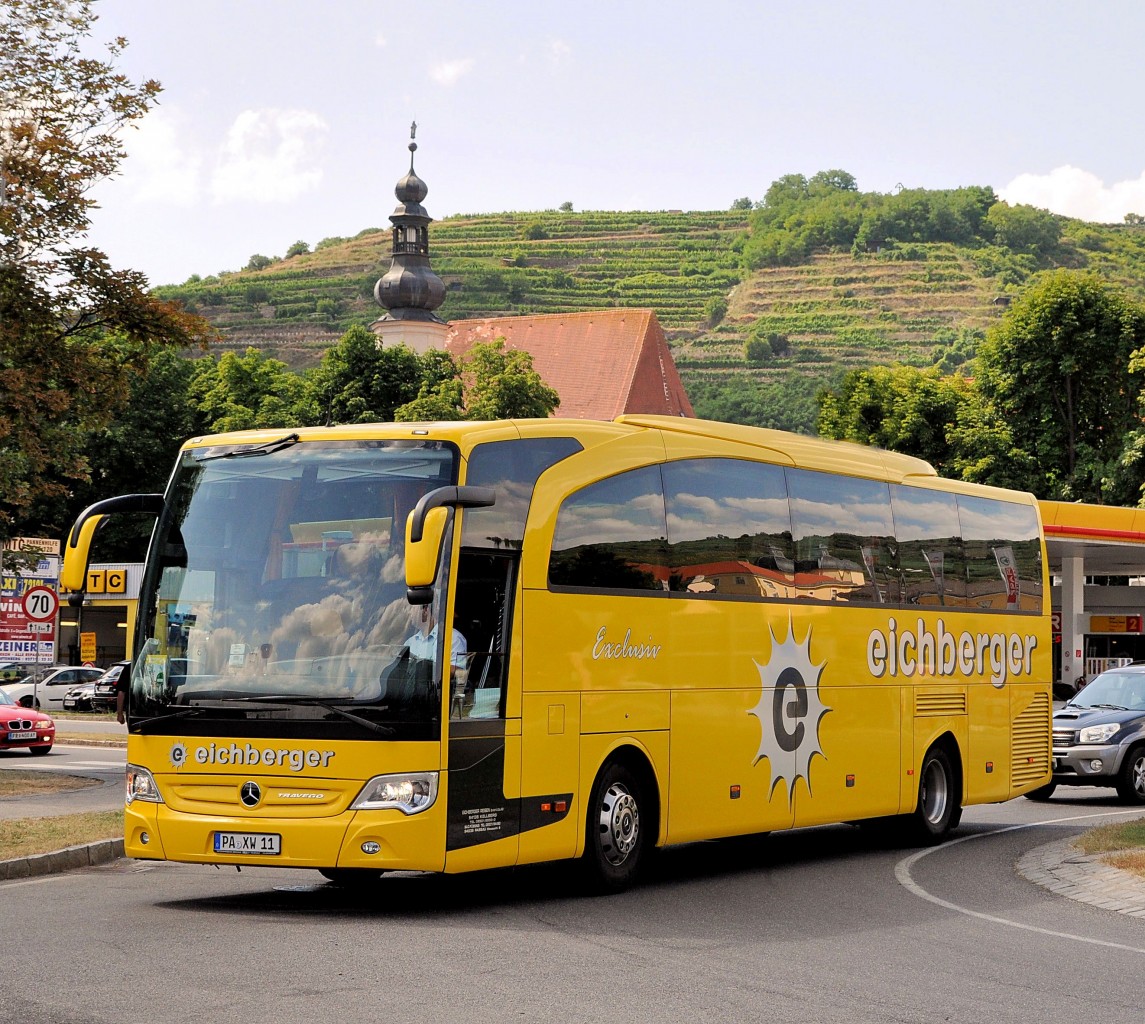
158, 168
449, 72
1072, 192
270, 156
559, 53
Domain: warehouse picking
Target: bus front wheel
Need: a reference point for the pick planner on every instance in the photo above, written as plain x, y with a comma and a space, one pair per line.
616, 836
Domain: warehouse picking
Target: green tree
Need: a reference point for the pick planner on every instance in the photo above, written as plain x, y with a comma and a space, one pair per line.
756, 351
360, 382
1025, 228
245, 392
833, 180
1055, 375
743, 203
715, 309
566, 207
133, 453
493, 383
534, 231
900, 408
299, 248
61, 120
258, 262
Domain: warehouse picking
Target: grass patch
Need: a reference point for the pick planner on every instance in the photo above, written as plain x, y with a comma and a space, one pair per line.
17, 783
1123, 845
24, 837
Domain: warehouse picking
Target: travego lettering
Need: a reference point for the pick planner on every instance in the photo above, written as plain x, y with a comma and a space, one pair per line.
923, 653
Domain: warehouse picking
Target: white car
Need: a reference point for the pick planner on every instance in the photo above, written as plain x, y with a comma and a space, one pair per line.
51, 689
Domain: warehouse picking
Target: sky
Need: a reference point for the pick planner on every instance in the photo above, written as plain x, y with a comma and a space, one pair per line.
288, 120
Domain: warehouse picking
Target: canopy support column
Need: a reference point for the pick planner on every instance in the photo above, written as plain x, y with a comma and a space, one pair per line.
1073, 618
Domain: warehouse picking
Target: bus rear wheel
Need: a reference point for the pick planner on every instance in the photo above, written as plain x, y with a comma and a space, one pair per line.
615, 837
939, 806
350, 877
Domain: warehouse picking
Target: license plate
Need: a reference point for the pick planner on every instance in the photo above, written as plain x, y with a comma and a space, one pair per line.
21, 735
248, 842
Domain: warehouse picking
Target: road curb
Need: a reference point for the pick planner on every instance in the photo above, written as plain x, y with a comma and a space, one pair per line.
86, 855
1064, 870
77, 740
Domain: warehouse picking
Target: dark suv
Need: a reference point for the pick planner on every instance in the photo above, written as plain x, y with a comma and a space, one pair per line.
103, 696
1099, 736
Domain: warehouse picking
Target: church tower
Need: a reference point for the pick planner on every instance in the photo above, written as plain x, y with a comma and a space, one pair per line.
410, 291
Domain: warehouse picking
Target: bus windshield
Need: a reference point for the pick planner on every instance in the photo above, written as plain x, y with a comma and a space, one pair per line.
275, 590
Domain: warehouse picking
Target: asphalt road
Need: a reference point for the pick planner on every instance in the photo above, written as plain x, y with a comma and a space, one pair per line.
104, 764
817, 925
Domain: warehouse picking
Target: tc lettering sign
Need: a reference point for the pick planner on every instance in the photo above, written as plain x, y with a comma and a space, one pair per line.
106, 581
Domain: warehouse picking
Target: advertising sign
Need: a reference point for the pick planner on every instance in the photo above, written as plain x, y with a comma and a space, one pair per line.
29, 601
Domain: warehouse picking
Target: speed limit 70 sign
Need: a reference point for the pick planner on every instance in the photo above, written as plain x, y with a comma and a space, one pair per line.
41, 604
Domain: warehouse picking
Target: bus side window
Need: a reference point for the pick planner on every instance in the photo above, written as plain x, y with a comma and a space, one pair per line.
612, 535
844, 538
729, 529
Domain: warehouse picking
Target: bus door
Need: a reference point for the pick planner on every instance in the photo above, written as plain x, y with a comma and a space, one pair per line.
484, 743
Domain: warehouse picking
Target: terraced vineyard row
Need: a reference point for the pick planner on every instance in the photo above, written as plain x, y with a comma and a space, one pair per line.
669, 261
844, 312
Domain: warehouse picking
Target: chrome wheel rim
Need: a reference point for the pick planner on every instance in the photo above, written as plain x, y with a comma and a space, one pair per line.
619, 824
935, 793
1138, 776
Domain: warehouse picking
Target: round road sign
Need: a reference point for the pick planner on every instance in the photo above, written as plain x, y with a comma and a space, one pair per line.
41, 604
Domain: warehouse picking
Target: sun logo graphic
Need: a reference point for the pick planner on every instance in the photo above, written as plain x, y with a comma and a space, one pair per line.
789, 711
178, 755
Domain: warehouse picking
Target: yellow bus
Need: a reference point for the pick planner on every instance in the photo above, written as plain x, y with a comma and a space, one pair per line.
654, 630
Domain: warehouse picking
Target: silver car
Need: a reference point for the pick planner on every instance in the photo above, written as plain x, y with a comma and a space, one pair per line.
1099, 736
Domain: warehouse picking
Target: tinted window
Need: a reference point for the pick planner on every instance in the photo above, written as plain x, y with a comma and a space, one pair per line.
611, 535
512, 467
729, 528
844, 537
931, 564
1003, 554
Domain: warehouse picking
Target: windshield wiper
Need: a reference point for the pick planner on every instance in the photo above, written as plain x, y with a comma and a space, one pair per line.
1111, 707
142, 724
266, 448
286, 700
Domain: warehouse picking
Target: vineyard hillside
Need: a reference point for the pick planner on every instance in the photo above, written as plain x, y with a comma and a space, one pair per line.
835, 311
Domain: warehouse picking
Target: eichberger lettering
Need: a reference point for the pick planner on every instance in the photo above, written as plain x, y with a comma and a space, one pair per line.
924, 653
250, 756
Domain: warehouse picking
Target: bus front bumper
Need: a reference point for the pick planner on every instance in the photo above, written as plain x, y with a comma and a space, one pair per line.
382, 840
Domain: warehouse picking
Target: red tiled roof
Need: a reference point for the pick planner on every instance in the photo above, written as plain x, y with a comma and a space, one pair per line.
603, 363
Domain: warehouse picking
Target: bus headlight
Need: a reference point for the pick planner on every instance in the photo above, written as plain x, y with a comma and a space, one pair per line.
141, 786
409, 793
1097, 733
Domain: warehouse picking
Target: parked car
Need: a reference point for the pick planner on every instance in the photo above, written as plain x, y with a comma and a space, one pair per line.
12, 671
1099, 736
49, 690
78, 698
24, 727
103, 694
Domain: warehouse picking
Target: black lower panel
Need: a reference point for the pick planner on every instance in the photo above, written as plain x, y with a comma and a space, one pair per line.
478, 810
